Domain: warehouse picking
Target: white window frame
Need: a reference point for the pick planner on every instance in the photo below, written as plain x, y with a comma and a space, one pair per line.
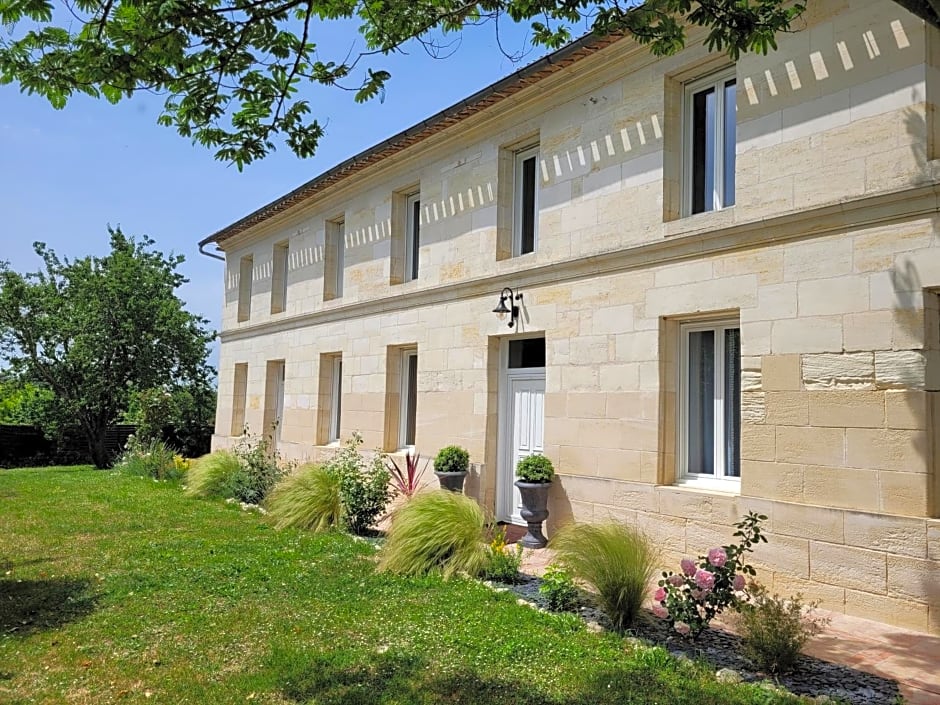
280, 265
716, 81
336, 398
405, 410
412, 236
246, 268
519, 158
718, 481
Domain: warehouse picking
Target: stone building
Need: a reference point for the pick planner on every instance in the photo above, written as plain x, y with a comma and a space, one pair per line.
726, 278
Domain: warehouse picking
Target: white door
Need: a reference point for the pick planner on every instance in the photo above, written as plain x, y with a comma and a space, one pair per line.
524, 434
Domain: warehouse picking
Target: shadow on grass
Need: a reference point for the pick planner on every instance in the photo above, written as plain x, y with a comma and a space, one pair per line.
366, 678
29, 606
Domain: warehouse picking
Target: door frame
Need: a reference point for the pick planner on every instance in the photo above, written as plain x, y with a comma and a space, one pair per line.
504, 421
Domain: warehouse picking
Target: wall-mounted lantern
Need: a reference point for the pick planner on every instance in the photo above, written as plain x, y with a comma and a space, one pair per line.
507, 305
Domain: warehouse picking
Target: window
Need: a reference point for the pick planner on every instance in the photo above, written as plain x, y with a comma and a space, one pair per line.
245, 270
274, 401
279, 276
335, 259
525, 201
239, 398
710, 106
412, 235
409, 398
336, 397
710, 410
528, 352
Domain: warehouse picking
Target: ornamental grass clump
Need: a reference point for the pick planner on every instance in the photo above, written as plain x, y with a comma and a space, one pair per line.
212, 475
774, 630
149, 458
707, 586
436, 532
617, 561
307, 499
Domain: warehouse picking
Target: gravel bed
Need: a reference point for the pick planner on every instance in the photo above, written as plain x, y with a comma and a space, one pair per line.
812, 676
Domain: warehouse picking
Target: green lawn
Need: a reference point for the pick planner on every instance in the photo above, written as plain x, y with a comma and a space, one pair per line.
119, 589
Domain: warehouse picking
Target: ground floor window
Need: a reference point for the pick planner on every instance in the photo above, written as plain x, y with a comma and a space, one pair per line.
710, 396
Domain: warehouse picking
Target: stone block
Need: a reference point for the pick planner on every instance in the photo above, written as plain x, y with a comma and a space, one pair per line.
905, 493
753, 409
787, 408
781, 373
782, 554
906, 409
808, 522
914, 578
901, 369
847, 409
893, 534
838, 371
841, 295
871, 330
698, 505
886, 449
848, 567
586, 405
807, 335
779, 481
830, 597
810, 446
665, 531
758, 442
933, 539
843, 487
890, 610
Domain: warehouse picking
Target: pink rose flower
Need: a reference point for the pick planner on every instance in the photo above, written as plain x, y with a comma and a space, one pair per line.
676, 580
683, 628
739, 582
660, 611
704, 579
717, 557
688, 566
660, 594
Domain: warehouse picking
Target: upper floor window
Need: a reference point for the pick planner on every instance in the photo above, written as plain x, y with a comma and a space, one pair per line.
245, 272
525, 201
710, 139
335, 259
412, 235
279, 276
710, 402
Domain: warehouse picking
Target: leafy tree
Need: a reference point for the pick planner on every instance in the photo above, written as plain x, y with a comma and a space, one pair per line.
21, 403
95, 329
233, 70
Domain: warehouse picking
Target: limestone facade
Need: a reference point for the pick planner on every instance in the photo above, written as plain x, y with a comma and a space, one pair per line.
828, 262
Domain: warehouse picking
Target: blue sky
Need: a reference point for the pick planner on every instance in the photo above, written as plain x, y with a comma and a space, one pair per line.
66, 175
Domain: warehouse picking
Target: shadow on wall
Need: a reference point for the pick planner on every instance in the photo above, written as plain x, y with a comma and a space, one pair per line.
913, 322
559, 507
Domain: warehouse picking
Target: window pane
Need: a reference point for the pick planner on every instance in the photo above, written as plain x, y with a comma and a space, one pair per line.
415, 237
730, 137
412, 400
527, 243
337, 398
527, 353
703, 150
340, 230
732, 393
701, 408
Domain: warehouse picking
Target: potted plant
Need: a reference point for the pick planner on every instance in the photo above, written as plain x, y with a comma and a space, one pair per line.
450, 466
534, 473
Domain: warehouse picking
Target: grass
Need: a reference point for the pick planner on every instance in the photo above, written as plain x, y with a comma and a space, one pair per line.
307, 499
118, 589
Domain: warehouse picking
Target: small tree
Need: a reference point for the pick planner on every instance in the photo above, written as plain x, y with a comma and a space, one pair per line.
93, 330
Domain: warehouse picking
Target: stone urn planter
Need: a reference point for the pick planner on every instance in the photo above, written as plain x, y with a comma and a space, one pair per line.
535, 473
534, 511
451, 465
451, 481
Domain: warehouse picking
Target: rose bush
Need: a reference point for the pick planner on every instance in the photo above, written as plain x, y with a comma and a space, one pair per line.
709, 585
